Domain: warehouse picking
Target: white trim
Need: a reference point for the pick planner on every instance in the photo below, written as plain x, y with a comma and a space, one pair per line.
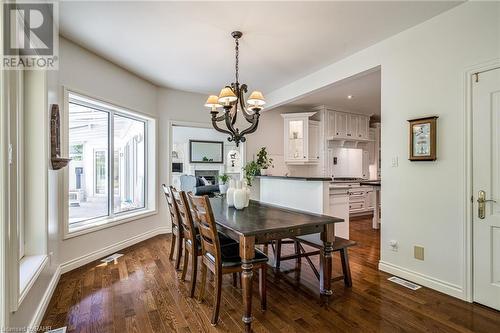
468, 272
151, 178
44, 302
38, 262
425, 280
105, 251
99, 224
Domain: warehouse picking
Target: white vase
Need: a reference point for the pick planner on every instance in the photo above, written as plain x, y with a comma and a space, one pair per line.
248, 192
263, 172
230, 194
240, 196
223, 188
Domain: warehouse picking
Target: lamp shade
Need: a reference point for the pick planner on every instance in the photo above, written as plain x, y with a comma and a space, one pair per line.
212, 102
256, 98
227, 96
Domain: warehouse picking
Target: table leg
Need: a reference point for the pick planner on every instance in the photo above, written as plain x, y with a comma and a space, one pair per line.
325, 281
247, 253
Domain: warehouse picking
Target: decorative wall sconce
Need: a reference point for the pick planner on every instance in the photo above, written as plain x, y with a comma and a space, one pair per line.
58, 162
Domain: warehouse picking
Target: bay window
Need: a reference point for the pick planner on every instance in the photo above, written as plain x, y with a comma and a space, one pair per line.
112, 171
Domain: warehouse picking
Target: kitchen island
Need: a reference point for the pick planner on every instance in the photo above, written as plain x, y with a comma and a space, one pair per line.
310, 194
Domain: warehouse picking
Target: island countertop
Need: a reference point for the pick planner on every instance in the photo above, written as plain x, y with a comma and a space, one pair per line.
309, 179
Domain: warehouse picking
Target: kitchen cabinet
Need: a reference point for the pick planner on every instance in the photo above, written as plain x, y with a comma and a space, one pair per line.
339, 207
302, 138
343, 125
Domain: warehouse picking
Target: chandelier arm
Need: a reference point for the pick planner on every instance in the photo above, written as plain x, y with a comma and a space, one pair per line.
217, 128
229, 124
253, 127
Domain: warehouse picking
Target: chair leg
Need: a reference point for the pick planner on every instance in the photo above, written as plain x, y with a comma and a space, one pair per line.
194, 270
172, 246
184, 264
218, 291
277, 259
178, 244
235, 283
203, 281
263, 287
346, 269
297, 252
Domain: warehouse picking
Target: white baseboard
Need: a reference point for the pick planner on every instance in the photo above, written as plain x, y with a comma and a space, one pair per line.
94, 255
82, 260
44, 302
425, 280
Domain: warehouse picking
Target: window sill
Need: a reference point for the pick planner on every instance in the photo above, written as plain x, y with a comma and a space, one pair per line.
108, 223
30, 268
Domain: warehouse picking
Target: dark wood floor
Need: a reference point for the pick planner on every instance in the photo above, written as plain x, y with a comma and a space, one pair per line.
142, 293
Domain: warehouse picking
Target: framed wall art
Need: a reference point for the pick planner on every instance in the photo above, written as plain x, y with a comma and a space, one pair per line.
423, 139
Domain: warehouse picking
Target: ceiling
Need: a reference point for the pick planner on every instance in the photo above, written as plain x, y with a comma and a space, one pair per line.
363, 88
187, 45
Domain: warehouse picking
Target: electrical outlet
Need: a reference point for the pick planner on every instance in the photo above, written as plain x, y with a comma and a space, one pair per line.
395, 162
393, 244
418, 252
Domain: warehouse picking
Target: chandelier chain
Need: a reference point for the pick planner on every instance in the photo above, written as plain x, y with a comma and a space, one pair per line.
237, 49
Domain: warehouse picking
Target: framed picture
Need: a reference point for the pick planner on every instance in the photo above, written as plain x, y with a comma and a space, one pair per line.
423, 139
206, 151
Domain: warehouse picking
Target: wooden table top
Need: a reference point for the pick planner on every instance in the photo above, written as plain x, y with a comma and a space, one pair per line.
259, 218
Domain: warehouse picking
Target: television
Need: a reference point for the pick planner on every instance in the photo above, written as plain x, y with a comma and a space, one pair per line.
177, 167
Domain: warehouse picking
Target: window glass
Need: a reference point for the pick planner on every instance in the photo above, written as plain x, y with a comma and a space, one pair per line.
88, 169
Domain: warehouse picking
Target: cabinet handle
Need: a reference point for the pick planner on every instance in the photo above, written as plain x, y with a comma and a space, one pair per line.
304, 156
337, 133
348, 134
359, 135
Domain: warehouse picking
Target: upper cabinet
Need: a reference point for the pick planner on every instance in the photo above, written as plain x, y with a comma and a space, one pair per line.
347, 126
302, 138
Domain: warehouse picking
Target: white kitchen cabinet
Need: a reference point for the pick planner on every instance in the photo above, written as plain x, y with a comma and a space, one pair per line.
302, 138
343, 125
339, 207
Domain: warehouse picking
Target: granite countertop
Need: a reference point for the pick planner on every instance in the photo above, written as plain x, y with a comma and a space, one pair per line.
309, 179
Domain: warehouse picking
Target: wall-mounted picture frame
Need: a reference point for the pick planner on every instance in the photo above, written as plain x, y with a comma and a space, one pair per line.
422, 132
202, 151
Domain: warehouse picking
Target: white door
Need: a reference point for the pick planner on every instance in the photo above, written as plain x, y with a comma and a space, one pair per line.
313, 152
341, 120
486, 177
352, 126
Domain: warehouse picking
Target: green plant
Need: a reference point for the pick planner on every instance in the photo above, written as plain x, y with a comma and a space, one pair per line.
251, 169
224, 178
263, 160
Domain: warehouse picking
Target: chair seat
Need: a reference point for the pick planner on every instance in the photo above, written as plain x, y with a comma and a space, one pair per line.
223, 239
231, 256
314, 240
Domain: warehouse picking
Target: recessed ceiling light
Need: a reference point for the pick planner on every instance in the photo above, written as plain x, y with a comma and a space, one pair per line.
349, 96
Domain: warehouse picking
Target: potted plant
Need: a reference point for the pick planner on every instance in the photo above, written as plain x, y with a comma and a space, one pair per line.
264, 161
224, 179
250, 171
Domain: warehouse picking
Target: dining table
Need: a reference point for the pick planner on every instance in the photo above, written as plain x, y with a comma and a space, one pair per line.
260, 223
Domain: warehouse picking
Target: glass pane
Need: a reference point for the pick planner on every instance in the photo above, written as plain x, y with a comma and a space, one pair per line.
129, 164
296, 139
88, 169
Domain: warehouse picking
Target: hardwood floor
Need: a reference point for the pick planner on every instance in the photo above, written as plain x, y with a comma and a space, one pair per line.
143, 293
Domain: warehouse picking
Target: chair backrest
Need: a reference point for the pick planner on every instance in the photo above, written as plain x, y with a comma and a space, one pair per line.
204, 217
185, 217
172, 206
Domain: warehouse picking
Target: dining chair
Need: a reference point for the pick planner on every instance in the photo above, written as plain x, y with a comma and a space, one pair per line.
221, 259
192, 245
177, 235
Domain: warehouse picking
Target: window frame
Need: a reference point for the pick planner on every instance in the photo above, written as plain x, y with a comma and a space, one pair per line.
150, 168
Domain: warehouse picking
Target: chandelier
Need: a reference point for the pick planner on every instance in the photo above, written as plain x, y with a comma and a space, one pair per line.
231, 98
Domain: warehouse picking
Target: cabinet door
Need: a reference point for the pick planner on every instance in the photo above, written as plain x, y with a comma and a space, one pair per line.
352, 126
341, 121
362, 128
313, 152
295, 139
330, 118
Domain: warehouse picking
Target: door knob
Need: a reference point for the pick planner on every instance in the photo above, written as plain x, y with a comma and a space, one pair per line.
481, 200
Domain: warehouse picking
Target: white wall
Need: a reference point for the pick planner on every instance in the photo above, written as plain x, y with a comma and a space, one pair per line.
423, 71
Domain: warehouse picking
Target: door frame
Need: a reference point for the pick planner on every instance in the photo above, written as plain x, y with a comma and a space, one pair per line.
468, 272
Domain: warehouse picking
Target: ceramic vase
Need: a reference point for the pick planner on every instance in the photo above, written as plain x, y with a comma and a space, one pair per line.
240, 196
247, 191
263, 172
230, 194
223, 188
